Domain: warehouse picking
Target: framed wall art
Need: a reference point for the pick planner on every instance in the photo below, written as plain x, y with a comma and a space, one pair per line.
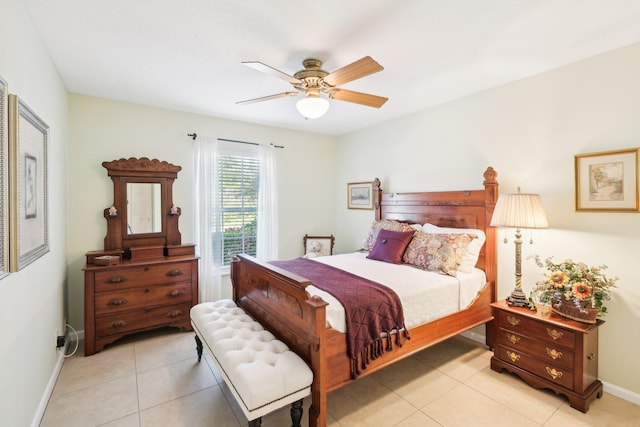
28, 185
360, 195
315, 246
607, 181
4, 234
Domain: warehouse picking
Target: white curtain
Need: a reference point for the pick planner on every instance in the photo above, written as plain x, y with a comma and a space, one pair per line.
267, 245
208, 220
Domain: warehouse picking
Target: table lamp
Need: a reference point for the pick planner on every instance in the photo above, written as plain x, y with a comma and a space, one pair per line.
519, 211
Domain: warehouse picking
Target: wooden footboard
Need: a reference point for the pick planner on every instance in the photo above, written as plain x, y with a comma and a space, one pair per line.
279, 301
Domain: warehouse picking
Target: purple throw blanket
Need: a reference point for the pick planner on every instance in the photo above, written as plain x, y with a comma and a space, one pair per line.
371, 309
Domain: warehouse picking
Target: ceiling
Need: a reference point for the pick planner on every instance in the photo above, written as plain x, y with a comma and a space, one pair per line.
186, 55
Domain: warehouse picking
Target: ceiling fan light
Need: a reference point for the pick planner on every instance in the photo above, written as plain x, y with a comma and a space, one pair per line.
312, 106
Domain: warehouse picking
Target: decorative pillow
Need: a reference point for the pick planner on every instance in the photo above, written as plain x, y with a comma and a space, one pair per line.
470, 258
390, 246
437, 252
384, 224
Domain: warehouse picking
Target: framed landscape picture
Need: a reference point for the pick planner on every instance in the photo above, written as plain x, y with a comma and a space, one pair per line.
360, 195
607, 181
28, 186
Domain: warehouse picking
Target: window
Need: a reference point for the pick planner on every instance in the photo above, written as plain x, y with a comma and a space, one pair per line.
238, 178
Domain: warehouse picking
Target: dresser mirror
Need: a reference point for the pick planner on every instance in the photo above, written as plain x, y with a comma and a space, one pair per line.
144, 207
142, 213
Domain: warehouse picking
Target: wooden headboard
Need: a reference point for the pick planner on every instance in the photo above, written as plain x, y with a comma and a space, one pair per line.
459, 209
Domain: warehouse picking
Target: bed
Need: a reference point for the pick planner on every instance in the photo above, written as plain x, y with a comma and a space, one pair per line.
279, 299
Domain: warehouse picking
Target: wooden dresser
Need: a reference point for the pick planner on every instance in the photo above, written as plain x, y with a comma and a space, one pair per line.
548, 352
134, 296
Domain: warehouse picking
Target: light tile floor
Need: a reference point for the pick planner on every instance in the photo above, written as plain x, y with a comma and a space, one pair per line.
154, 379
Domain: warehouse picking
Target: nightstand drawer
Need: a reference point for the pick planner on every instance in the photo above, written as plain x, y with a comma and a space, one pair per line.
542, 350
549, 371
544, 331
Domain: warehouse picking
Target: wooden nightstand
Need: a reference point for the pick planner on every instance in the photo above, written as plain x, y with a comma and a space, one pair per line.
548, 352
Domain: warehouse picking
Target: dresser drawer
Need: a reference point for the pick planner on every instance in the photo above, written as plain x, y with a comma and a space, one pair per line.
140, 276
535, 329
549, 371
112, 302
129, 321
542, 350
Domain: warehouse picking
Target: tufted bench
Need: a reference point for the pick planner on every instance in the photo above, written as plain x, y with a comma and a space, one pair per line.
261, 371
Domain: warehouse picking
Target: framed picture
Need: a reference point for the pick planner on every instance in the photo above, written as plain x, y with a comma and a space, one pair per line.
360, 195
607, 181
28, 187
315, 246
4, 130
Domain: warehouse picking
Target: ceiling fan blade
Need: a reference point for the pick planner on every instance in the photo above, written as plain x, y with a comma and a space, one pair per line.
272, 72
267, 98
358, 98
355, 70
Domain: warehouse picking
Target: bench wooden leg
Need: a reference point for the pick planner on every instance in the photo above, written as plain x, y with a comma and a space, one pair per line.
255, 423
199, 348
296, 413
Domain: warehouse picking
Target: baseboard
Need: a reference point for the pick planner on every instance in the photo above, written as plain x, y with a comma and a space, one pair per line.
37, 418
474, 336
622, 393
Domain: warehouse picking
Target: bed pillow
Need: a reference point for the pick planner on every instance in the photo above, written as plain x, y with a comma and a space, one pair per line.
390, 246
470, 258
385, 224
437, 252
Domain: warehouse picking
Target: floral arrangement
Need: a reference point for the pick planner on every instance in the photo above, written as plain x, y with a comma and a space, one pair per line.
575, 284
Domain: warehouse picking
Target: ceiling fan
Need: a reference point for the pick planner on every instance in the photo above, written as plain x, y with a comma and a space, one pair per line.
313, 81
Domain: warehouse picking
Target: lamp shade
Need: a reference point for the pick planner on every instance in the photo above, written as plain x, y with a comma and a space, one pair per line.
519, 211
312, 106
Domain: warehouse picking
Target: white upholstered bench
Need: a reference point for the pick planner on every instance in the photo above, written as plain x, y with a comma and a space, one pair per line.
261, 371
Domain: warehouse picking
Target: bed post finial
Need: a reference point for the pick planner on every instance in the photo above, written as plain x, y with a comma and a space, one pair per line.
490, 176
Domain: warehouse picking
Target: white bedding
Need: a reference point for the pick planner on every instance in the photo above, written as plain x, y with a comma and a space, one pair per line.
425, 295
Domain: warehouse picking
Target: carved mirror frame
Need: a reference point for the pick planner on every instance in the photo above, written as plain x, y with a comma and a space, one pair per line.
141, 170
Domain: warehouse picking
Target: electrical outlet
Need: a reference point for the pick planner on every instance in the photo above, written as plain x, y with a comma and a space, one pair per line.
60, 339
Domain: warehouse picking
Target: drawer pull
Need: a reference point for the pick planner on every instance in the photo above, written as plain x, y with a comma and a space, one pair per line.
554, 354
118, 324
554, 334
591, 356
175, 293
175, 313
513, 320
553, 373
117, 301
116, 279
514, 357
514, 339
174, 273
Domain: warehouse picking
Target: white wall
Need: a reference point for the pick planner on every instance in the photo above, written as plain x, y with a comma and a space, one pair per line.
32, 300
529, 131
103, 130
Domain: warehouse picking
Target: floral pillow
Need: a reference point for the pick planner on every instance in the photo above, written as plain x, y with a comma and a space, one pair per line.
384, 224
390, 246
437, 252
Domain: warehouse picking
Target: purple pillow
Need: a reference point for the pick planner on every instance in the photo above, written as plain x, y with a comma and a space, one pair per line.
390, 246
